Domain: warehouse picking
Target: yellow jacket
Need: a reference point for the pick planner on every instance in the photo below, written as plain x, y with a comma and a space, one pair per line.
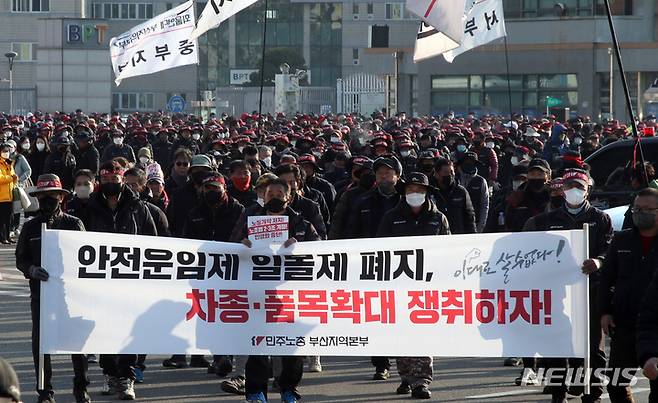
6, 180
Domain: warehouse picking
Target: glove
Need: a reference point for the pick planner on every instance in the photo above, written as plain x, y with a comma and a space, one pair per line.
38, 273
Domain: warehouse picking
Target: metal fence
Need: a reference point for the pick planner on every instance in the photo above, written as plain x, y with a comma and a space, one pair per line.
25, 100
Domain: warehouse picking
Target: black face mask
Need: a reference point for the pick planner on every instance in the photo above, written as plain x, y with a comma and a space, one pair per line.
111, 189
367, 179
468, 169
213, 197
275, 205
280, 147
197, 177
447, 181
557, 201
535, 185
49, 205
426, 168
63, 149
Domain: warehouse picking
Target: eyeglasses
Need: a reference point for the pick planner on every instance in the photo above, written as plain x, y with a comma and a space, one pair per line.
182, 164
643, 210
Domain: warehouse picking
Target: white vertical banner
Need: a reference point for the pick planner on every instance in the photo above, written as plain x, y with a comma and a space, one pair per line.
216, 12
484, 22
158, 44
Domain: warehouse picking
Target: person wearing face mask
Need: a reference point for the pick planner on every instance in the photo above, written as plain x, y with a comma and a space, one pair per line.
83, 187
135, 179
307, 202
50, 194
118, 148
452, 199
362, 180
531, 199
468, 176
414, 215
572, 216
144, 158
314, 180
461, 147
23, 170
185, 141
629, 266
155, 182
557, 194
498, 203
257, 368
407, 153
365, 217
184, 198
116, 209
240, 186
487, 162
425, 163
265, 156
39, 152
61, 161
8, 181
162, 148
86, 154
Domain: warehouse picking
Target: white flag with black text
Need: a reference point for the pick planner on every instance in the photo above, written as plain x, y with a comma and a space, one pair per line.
431, 43
160, 43
484, 22
444, 15
216, 12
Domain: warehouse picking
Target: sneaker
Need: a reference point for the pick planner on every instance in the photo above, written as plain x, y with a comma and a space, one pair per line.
92, 359
421, 392
513, 362
139, 375
126, 389
199, 362
527, 378
175, 362
275, 385
46, 397
403, 389
381, 375
234, 385
288, 397
314, 364
256, 398
81, 396
109, 386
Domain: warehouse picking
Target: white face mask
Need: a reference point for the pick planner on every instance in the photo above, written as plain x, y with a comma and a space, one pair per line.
25, 146
196, 136
261, 201
517, 184
5, 154
490, 145
415, 199
267, 161
515, 160
575, 196
144, 160
335, 139
84, 191
405, 153
41, 146
118, 140
577, 141
240, 148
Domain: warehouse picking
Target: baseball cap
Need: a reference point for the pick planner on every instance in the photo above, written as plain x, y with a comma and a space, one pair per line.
214, 179
576, 175
201, 160
417, 178
389, 161
541, 164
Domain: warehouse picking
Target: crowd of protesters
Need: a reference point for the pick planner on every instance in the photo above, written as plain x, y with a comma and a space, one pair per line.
335, 177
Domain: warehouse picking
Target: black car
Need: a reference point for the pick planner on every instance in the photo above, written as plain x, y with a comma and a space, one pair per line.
611, 167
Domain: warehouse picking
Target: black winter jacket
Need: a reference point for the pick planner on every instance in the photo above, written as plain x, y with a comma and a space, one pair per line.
132, 216
400, 221
213, 223
455, 203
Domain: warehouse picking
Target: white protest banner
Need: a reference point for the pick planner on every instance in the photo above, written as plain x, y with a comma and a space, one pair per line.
266, 229
484, 23
444, 15
216, 12
480, 295
158, 44
431, 43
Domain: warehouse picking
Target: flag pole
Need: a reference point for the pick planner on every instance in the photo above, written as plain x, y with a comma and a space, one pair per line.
262, 63
509, 84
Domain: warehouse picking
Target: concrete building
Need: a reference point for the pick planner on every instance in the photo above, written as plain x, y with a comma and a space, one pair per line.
562, 58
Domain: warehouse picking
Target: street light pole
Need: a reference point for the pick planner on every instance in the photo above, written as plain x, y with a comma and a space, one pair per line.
10, 56
612, 81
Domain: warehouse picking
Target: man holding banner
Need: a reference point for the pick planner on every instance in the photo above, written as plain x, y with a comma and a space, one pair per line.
277, 199
50, 194
573, 215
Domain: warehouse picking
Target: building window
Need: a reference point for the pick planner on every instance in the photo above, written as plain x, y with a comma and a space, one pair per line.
573, 8
30, 6
133, 101
370, 9
394, 11
122, 11
355, 9
488, 94
26, 51
355, 54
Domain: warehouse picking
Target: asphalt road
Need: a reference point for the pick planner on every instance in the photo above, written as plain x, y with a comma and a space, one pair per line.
344, 379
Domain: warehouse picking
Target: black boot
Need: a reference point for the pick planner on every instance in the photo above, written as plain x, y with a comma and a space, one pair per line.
421, 392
